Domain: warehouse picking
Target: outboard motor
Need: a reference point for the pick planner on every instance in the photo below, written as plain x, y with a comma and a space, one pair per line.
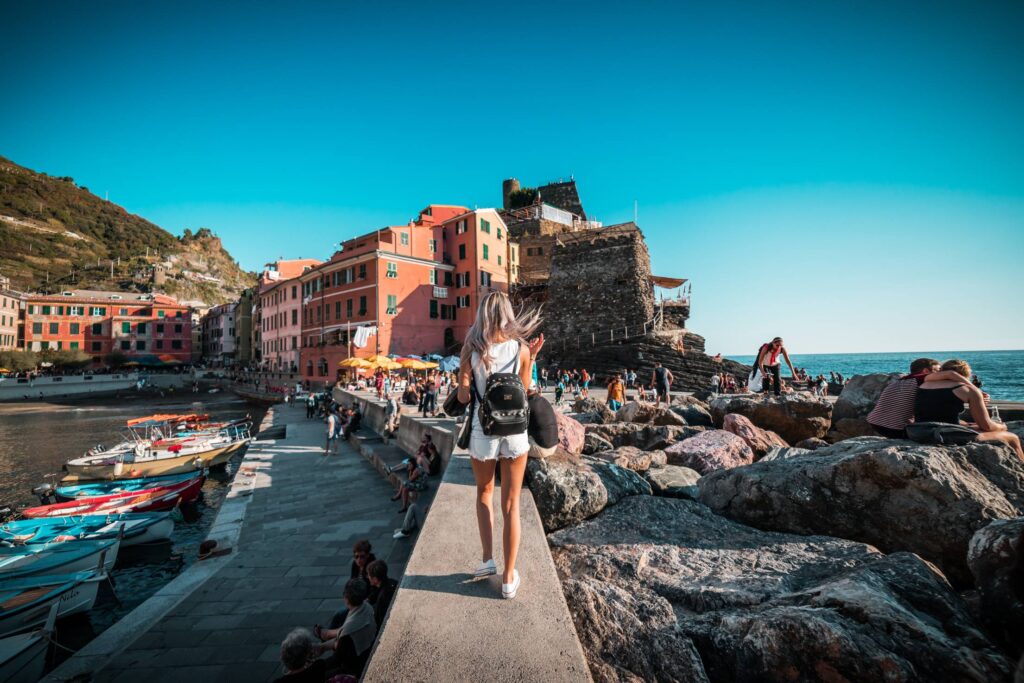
45, 494
6, 513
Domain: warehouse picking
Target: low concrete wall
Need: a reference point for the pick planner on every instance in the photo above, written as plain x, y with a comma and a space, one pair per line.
371, 408
411, 430
17, 389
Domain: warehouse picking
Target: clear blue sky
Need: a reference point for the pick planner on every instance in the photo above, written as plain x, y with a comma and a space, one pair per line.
847, 174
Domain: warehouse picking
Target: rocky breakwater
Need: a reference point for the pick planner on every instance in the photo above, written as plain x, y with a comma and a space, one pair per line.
895, 495
793, 417
663, 589
850, 411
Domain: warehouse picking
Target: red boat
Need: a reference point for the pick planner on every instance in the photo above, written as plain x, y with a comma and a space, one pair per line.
155, 499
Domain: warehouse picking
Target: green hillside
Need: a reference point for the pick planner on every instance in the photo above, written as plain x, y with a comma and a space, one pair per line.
57, 235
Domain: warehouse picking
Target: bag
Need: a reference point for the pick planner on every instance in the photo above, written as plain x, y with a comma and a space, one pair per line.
543, 427
504, 408
453, 407
755, 383
467, 424
942, 433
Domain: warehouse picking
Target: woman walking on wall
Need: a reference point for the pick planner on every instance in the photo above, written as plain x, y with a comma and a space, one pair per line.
494, 372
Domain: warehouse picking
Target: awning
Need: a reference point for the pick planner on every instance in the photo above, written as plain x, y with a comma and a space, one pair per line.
668, 282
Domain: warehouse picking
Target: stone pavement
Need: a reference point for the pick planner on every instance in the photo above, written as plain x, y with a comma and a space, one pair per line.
291, 563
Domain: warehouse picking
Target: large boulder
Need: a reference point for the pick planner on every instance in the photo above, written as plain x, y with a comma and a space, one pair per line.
794, 417
636, 411
711, 450
593, 443
597, 411
860, 394
812, 444
663, 589
673, 481
695, 414
760, 440
644, 437
570, 433
896, 495
849, 428
633, 458
996, 559
568, 490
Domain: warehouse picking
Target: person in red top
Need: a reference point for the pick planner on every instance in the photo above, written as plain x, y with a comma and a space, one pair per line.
768, 364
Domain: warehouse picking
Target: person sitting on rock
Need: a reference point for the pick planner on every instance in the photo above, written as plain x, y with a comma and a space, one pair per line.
894, 409
944, 401
616, 393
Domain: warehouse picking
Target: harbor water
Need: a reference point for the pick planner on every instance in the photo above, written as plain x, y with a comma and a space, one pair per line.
36, 439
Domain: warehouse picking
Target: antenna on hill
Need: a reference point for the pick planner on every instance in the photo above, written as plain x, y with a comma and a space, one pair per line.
636, 208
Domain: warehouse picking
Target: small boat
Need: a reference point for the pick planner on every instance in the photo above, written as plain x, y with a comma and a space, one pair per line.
66, 492
133, 528
57, 558
26, 602
23, 656
157, 499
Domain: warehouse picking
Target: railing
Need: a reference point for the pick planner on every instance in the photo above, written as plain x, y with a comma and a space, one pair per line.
611, 335
553, 214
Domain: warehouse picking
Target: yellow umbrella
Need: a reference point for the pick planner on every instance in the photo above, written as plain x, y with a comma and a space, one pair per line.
382, 362
4, 370
354, 363
429, 365
413, 364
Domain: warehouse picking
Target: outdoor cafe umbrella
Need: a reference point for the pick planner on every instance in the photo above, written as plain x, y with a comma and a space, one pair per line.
413, 364
382, 362
354, 363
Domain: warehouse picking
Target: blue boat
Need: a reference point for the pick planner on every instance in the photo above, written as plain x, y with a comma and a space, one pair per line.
27, 602
50, 559
135, 529
106, 488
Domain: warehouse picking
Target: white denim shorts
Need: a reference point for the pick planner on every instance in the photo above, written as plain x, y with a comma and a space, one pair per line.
482, 447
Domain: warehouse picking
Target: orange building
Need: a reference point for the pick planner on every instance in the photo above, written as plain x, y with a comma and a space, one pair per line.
151, 329
402, 290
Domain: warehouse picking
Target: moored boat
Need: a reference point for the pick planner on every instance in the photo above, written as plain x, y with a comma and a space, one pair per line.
23, 656
71, 491
133, 528
57, 558
28, 600
157, 499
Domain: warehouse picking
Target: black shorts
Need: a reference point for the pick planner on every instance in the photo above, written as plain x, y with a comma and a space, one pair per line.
662, 390
890, 433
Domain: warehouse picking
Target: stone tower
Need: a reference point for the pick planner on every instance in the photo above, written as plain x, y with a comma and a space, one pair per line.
507, 188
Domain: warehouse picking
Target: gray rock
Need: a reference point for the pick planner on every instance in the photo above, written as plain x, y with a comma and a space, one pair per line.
812, 444
860, 394
594, 443
663, 589
710, 450
996, 559
633, 458
644, 437
896, 495
783, 452
849, 428
568, 490
673, 481
794, 417
597, 411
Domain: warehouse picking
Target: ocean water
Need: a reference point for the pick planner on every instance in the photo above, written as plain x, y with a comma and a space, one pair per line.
1001, 372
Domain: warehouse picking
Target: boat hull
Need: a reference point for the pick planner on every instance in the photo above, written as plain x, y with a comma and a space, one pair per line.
73, 598
109, 469
23, 658
136, 529
58, 559
152, 500
67, 491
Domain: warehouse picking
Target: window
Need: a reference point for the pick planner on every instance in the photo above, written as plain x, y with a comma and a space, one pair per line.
499, 233
37, 328
485, 278
97, 328
75, 328
362, 271
393, 269
159, 328
404, 236
433, 276
75, 310
499, 259
295, 316
175, 343
54, 328
433, 308
126, 345
392, 304
433, 246
447, 312
31, 309
122, 311
46, 310
486, 257
337, 309
177, 328
98, 310
462, 252
141, 328
540, 251
447, 278
529, 251
126, 328
485, 226
514, 253
44, 345
159, 343
462, 301
160, 314
96, 346
140, 345
362, 305
460, 227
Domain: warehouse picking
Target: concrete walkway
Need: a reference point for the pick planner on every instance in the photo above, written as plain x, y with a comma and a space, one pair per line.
291, 562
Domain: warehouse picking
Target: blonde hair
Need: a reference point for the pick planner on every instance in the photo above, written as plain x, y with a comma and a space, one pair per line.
495, 319
958, 366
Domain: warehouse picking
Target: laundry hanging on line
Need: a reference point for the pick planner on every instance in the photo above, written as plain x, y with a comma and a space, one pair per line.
362, 335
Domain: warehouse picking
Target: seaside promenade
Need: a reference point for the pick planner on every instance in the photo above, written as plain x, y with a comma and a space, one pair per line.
290, 519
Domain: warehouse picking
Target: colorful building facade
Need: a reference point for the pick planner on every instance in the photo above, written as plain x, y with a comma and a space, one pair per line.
11, 312
219, 335
280, 326
402, 290
151, 329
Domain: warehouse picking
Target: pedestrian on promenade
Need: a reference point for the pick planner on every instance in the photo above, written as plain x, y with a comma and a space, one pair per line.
495, 351
585, 386
559, 390
310, 406
767, 364
333, 432
661, 379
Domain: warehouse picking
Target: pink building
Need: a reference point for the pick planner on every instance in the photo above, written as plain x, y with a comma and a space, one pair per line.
279, 307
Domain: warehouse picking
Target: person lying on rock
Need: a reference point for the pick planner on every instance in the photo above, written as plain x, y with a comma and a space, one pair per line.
895, 407
943, 402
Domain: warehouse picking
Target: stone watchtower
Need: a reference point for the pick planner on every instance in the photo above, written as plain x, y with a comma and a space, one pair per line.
508, 187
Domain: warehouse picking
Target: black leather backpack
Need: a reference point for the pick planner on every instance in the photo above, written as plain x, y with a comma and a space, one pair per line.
504, 408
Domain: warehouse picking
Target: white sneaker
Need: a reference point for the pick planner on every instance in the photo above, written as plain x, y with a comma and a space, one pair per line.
487, 568
508, 590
